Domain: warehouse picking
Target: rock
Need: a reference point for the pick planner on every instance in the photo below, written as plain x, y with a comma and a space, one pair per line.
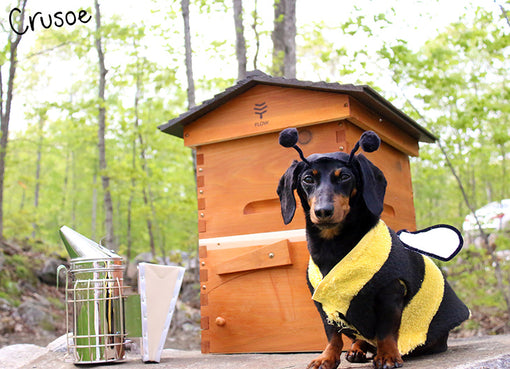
35, 312
132, 269
190, 293
20, 355
490, 352
59, 344
185, 319
48, 274
7, 325
176, 257
5, 305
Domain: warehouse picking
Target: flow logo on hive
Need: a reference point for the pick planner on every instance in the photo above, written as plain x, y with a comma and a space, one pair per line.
260, 109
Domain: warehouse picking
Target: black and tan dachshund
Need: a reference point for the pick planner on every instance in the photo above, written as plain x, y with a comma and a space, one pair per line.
365, 284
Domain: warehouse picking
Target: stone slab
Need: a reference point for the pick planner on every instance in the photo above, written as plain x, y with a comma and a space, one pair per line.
492, 352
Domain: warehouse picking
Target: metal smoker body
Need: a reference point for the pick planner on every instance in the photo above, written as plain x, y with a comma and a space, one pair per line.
95, 305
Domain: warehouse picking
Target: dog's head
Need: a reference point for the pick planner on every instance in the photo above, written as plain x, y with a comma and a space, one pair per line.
327, 183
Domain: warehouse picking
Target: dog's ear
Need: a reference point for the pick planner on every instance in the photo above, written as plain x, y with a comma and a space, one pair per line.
285, 190
374, 185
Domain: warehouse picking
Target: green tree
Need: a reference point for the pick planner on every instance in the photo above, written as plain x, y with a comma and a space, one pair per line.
453, 82
8, 58
105, 178
457, 84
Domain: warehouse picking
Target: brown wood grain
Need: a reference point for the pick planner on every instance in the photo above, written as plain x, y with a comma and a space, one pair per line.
268, 256
285, 107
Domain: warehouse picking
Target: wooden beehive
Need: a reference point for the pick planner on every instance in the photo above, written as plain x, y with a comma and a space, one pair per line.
254, 296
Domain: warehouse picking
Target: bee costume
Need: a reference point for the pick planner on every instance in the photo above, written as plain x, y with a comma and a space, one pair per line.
348, 292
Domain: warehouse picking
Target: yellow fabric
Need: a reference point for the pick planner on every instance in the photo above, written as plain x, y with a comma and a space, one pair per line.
336, 291
418, 314
347, 278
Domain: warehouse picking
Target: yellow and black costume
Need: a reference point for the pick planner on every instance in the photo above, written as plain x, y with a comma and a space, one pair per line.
348, 292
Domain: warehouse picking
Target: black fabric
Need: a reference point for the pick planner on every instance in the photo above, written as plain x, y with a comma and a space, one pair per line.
409, 267
403, 265
450, 314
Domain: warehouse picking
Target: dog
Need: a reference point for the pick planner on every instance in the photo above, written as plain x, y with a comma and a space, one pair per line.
392, 301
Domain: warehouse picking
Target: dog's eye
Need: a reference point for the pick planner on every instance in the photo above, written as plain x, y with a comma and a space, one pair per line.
308, 179
342, 177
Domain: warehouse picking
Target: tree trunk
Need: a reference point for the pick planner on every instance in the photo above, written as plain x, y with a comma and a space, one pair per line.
503, 171
189, 68
257, 35
38, 171
129, 240
5, 110
74, 190
187, 47
147, 198
105, 179
284, 39
240, 41
93, 220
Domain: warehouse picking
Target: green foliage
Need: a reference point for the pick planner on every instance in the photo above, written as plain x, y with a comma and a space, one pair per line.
151, 172
456, 85
473, 278
459, 82
57, 303
11, 289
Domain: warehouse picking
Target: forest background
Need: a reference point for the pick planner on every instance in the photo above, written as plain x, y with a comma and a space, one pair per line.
81, 102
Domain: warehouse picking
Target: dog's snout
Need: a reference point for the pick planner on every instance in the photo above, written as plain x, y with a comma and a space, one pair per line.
324, 211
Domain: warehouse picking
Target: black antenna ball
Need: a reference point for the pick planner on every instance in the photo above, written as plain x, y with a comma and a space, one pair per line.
369, 141
288, 137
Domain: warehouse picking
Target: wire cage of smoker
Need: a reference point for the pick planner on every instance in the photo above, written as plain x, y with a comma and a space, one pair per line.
95, 310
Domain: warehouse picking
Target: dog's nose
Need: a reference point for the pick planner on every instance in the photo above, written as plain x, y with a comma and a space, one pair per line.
324, 211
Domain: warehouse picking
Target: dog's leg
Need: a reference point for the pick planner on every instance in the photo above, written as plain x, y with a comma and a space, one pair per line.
390, 303
330, 357
358, 352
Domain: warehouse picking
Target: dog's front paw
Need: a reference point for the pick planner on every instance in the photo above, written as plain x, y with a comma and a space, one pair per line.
356, 356
357, 352
386, 361
324, 361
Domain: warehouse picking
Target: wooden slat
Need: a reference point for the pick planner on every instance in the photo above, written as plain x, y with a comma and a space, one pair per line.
285, 107
369, 120
269, 256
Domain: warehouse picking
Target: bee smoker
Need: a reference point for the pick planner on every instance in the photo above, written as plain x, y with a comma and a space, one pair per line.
95, 305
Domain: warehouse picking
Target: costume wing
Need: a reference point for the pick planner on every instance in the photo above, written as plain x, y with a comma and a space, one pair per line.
440, 241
